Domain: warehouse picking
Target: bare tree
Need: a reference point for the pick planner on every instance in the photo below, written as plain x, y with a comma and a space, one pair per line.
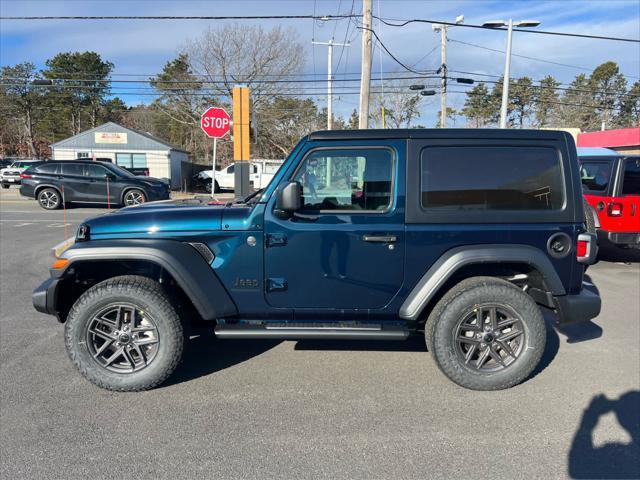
401, 105
249, 55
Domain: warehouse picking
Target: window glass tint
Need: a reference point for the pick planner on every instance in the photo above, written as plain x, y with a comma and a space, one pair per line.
230, 169
139, 160
124, 160
47, 168
97, 171
72, 169
491, 178
631, 182
595, 176
346, 179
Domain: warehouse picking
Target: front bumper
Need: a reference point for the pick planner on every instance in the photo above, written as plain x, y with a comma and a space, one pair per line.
44, 297
577, 308
624, 239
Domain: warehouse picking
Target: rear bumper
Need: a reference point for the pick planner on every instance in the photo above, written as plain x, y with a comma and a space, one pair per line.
577, 308
11, 180
44, 297
624, 239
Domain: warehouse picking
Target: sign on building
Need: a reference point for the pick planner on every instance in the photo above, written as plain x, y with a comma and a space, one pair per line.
110, 137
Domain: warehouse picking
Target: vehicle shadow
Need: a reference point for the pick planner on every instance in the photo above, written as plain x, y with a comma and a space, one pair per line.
204, 355
415, 343
613, 459
610, 253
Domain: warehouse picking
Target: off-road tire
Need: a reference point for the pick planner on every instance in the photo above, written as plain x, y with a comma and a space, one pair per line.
589, 220
442, 323
49, 199
145, 294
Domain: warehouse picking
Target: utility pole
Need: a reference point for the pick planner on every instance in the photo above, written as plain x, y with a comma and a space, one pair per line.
365, 79
439, 27
330, 44
443, 77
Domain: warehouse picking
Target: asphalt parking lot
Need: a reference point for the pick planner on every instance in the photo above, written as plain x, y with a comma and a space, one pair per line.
257, 409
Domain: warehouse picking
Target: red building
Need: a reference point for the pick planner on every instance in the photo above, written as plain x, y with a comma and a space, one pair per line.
623, 140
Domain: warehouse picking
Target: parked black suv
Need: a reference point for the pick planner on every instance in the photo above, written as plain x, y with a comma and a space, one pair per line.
53, 183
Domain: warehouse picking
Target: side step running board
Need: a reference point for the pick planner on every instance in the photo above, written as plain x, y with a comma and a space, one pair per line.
314, 332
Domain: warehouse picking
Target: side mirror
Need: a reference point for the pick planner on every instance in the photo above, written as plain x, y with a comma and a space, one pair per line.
289, 198
109, 176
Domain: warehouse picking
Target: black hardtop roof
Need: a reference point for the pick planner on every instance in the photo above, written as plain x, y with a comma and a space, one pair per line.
442, 133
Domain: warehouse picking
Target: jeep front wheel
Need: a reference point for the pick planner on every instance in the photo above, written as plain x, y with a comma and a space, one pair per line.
486, 334
123, 334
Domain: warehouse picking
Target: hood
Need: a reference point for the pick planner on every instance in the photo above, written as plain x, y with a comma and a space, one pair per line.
157, 219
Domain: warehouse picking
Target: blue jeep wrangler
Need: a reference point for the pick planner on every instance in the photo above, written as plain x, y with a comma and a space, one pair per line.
465, 235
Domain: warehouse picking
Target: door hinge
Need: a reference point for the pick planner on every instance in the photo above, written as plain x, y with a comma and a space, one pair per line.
276, 284
276, 240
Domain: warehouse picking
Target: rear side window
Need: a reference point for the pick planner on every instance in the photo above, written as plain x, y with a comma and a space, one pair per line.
631, 182
595, 176
72, 169
47, 168
491, 178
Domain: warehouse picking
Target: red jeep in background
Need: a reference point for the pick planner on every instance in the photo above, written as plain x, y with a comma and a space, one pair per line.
611, 185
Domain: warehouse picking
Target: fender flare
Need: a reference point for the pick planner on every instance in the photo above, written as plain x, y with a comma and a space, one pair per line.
458, 257
42, 186
183, 262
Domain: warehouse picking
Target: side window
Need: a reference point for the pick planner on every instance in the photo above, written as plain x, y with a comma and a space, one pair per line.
595, 176
491, 178
72, 169
255, 169
95, 171
230, 169
349, 179
631, 181
47, 168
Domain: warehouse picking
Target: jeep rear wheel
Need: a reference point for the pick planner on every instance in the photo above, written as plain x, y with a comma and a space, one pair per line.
123, 334
486, 334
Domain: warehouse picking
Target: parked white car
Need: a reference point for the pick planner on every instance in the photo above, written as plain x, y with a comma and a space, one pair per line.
260, 174
11, 174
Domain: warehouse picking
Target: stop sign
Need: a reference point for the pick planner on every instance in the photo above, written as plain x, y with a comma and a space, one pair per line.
215, 122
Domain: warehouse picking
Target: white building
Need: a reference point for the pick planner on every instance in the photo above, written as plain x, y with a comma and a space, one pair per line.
125, 147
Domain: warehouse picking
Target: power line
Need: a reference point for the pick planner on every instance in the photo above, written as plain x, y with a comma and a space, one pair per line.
542, 32
527, 57
305, 17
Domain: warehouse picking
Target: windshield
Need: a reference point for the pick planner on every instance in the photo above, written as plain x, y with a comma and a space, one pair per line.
118, 170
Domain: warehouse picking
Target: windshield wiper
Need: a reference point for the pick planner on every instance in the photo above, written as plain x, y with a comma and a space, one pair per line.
249, 197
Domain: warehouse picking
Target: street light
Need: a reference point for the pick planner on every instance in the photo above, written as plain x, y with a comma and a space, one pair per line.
507, 62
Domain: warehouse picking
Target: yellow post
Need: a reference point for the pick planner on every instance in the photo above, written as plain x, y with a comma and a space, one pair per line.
384, 118
241, 124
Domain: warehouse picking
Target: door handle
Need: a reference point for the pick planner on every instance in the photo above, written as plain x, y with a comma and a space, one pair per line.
379, 238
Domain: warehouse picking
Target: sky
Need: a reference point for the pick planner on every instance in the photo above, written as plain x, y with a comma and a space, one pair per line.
138, 47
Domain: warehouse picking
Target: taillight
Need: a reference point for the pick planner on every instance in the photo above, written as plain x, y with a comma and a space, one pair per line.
586, 248
582, 248
25, 175
615, 209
